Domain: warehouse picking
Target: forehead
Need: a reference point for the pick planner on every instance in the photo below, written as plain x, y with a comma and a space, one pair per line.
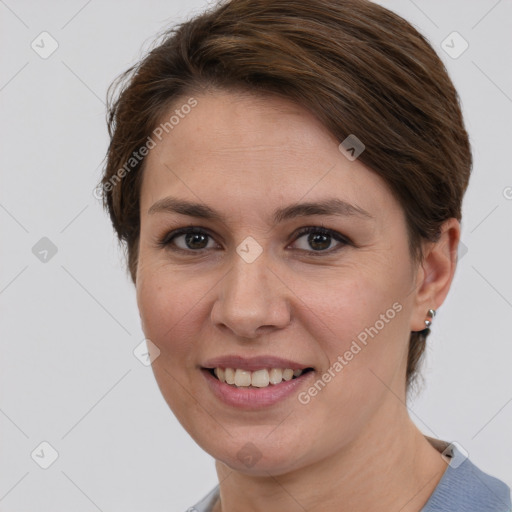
259, 148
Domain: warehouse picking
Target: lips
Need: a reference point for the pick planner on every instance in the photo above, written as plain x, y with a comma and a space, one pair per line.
276, 379
253, 363
254, 398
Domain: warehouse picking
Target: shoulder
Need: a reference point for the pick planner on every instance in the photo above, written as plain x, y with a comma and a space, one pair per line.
466, 488
206, 504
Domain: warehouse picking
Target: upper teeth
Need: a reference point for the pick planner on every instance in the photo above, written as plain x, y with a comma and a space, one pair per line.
259, 378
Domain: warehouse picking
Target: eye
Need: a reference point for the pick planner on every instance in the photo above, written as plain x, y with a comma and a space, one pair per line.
195, 239
319, 239
190, 239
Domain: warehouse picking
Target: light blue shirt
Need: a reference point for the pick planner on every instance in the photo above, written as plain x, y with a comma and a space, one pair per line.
462, 488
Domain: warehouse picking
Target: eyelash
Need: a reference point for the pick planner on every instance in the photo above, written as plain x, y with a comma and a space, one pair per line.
167, 239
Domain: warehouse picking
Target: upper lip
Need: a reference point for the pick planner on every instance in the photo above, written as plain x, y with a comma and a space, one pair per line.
253, 363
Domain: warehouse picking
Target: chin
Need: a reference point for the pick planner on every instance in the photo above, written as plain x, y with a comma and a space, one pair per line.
256, 458
264, 466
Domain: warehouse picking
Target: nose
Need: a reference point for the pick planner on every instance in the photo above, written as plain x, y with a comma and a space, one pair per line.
252, 300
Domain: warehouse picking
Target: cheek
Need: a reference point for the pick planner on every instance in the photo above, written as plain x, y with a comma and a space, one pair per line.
168, 304
360, 322
358, 300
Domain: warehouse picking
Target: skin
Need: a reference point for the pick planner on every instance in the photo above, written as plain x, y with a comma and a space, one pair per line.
353, 447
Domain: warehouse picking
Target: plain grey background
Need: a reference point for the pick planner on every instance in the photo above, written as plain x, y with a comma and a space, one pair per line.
69, 321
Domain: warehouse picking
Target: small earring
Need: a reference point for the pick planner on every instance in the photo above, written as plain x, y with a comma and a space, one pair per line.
430, 315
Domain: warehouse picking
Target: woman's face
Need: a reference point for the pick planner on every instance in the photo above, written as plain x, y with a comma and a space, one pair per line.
254, 285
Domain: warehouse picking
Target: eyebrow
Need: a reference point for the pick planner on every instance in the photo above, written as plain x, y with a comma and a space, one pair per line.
330, 206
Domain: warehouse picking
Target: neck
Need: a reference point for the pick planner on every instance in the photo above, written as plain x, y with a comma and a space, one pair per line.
389, 466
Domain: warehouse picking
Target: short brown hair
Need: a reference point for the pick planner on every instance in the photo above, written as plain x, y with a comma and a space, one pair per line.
359, 68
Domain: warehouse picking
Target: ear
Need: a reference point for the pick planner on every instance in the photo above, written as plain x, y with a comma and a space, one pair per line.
435, 274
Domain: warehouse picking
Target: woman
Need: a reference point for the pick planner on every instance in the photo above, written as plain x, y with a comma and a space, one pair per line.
288, 178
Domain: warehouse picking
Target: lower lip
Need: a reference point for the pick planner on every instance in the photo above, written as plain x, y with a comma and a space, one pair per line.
254, 398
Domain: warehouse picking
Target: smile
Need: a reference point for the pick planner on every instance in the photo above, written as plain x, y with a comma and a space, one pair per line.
243, 394
261, 378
